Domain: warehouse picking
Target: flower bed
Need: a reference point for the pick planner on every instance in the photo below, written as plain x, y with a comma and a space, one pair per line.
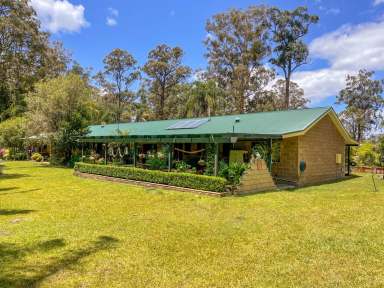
187, 180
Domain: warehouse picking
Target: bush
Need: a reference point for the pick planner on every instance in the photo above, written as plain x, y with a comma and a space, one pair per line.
16, 154
187, 180
182, 166
156, 163
37, 157
232, 172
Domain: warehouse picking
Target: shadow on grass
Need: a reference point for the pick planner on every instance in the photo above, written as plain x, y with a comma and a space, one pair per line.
20, 192
8, 189
13, 176
15, 273
299, 189
7, 212
346, 178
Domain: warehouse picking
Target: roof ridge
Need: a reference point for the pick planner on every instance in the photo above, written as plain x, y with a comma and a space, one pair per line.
216, 116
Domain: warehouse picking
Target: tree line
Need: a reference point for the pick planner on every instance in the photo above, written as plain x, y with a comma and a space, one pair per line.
44, 88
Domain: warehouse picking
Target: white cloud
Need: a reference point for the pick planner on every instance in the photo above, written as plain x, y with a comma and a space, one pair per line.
377, 2
347, 50
352, 47
111, 19
113, 12
60, 15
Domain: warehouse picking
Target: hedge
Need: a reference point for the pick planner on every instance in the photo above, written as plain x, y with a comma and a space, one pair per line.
187, 180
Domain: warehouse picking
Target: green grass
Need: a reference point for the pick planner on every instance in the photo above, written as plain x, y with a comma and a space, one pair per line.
57, 230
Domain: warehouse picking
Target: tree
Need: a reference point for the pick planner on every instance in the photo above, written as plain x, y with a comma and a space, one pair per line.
119, 73
12, 133
26, 55
290, 52
367, 154
61, 108
364, 103
297, 99
165, 72
204, 99
237, 45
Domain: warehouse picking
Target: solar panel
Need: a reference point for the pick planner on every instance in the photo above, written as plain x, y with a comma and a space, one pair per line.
188, 124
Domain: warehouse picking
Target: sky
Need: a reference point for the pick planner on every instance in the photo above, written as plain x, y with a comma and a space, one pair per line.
349, 35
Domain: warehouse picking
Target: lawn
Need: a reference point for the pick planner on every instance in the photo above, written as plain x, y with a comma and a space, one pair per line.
57, 230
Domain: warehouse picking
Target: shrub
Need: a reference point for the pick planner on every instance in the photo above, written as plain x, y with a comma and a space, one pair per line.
187, 180
18, 156
232, 172
156, 163
2, 153
37, 157
182, 166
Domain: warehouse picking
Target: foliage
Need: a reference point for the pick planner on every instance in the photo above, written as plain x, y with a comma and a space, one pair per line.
232, 172
17, 154
13, 132
364, 103
296, 96
261, 151
37, 157
289, 51
120, 72
205, 98
26, 55
237, 45
60, 108
210, 163
367, 154
182, 166
3, 153
156, 163
165, 72
187, 180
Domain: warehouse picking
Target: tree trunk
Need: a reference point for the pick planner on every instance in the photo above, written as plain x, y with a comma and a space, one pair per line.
287, 82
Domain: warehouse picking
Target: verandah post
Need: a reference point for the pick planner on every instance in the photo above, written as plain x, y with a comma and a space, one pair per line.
170, 152
134, 154
216, 166
270, 155
105, 153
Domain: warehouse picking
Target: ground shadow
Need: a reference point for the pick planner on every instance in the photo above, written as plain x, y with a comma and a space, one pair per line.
13, 176
8, 189
7, 212
346, 178
15, 274
299, 189
19, 192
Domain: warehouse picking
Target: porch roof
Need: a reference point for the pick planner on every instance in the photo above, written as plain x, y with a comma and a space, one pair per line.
274, 124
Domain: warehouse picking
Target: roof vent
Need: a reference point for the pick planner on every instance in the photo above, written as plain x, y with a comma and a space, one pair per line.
237, 119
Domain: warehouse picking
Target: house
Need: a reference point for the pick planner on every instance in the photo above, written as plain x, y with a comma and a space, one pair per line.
303, 147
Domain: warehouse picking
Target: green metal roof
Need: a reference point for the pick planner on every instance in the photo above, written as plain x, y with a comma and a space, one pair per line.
262, 124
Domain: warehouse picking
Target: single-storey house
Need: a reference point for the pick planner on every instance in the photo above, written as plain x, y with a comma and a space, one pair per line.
304, 146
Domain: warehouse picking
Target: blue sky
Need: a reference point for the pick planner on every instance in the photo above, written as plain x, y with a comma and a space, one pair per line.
349, 35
